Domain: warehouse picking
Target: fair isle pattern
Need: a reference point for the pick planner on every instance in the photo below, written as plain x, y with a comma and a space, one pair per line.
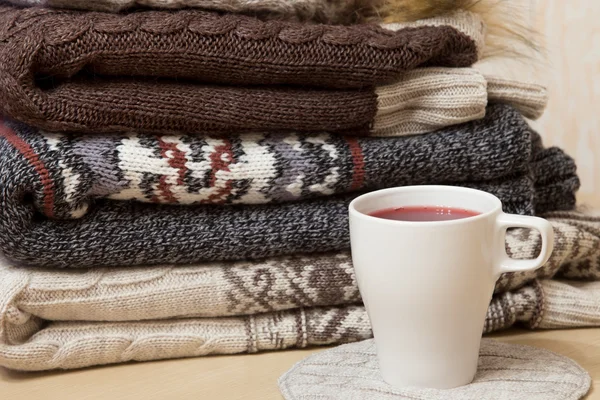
63, 319
207, 170
259, 168
576, 254
56, 191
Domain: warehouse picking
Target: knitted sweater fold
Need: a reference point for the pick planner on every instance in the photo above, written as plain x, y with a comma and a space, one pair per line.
190, 170
160, 71
257, 168
62, 319
53, 188
421, 101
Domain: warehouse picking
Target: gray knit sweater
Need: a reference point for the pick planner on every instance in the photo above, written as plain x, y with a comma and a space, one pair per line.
53, 214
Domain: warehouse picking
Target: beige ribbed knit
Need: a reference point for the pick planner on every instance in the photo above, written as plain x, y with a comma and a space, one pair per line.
69, 319
431, 98
505, 371
570, 304
529, 98
427, 99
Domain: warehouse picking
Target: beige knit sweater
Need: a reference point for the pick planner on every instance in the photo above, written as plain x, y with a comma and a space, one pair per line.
428, 99
69, 319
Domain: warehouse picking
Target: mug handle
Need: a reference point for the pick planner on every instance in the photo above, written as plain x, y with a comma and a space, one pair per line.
505, 221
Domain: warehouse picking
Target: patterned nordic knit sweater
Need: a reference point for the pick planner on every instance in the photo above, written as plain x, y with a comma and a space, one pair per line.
68, 319
197, 71
261, 168
55, 189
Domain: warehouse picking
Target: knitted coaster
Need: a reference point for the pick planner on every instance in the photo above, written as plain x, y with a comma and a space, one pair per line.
506, 371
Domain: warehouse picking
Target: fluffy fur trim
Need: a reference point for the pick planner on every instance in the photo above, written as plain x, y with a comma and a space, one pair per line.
509, 33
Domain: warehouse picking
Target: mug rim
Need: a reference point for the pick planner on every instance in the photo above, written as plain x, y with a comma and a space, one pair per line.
415, 188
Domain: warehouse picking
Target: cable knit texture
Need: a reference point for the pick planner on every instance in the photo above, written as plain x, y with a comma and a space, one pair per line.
48, 184
62, 319
156, 71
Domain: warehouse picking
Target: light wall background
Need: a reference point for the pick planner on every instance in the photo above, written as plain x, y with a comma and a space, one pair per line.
572, 120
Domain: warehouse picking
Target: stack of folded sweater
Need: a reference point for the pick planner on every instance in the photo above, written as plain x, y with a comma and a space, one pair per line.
190, 171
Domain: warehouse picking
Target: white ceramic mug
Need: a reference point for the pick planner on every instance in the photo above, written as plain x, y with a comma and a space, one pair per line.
427, 285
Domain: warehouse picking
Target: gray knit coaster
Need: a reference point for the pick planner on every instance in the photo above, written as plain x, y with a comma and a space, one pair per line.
506, 371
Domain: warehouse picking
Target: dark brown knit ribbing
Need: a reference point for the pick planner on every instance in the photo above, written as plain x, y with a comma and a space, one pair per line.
116, 105
50, 59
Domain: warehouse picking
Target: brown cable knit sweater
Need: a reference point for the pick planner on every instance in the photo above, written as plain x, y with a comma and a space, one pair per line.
171, 71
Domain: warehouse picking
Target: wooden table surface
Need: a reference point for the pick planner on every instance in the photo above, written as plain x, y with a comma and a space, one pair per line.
242, 377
